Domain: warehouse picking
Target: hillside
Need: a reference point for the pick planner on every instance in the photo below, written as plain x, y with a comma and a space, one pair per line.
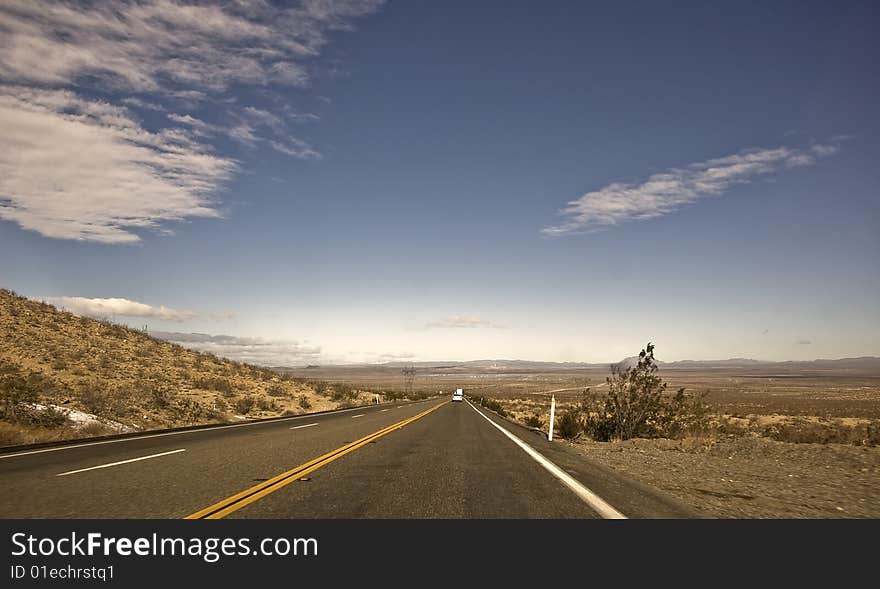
54, 364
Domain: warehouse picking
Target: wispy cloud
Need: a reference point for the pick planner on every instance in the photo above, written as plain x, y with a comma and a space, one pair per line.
162, 45
144, 104
247, 129
461, 322
666, 192
103, 308
79, 169
295, 148
396, 357
72, 167
246, 349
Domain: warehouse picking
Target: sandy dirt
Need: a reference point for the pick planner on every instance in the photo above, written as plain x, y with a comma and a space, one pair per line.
751, 477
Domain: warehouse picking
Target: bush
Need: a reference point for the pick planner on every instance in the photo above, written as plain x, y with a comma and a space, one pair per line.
569, 425
276, 390
50, 417
264, 404
683, 415
493, 405
634, 406
214, 383
343, 392
533, 421
160, 397
15, 389
94, 399
304, 402
244, 404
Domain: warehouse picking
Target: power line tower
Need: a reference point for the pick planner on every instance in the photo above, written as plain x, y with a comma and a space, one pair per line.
409, 375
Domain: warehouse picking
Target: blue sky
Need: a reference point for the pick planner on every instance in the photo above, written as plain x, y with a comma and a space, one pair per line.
365, 181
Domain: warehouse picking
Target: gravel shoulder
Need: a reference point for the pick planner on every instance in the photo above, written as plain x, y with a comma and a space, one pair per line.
751, 477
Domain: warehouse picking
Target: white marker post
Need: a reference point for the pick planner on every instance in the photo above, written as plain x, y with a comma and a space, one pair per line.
552, 417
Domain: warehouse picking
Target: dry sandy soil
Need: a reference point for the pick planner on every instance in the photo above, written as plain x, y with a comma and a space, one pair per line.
752, 477
129, 380
748, 475
749, 467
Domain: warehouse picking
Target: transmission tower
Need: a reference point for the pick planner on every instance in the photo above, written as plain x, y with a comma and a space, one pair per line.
409, 375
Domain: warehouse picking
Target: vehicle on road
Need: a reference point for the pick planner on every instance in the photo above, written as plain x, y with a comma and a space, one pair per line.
457, 395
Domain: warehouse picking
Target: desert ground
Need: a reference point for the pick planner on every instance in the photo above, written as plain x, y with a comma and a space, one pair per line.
786, 441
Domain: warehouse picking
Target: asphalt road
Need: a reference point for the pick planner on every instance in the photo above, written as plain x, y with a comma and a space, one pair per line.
430, 459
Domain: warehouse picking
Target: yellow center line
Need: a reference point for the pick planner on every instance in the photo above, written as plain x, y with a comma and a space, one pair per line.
235, 502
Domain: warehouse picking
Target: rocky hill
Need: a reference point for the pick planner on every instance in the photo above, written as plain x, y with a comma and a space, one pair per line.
64, 376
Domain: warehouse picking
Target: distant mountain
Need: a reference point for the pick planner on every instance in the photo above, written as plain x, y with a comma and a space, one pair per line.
864, 363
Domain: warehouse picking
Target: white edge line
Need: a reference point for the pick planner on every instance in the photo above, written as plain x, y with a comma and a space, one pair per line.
120, 462
590, 498
302, 426
189, 431
361, 415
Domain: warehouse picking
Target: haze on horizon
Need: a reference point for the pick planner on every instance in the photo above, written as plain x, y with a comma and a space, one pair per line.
365, 181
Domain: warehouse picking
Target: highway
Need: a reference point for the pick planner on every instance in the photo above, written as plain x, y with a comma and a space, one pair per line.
429, 459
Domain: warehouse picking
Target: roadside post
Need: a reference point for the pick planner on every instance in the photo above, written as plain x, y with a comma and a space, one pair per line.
552, 417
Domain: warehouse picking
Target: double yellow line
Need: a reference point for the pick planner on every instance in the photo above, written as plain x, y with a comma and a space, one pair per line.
226, 506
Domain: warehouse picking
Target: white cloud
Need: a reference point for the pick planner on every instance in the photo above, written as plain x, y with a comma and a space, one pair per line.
165, 45
144, 104
113, 306
77, 169
245, 130
295, 148
665, 192
246, 349
461, 322
73, 167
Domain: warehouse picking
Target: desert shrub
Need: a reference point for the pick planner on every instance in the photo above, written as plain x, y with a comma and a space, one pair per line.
682, 415
800, 430
160, 396
569, 425
533, 421
493, 405
635, 406
213, 383
95, 399
264, 404
634, 396
49, 418
304, 402
597, 419
320, 387
872, 433
393, 395
277, 390
342, 392
244, 404
15, 389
